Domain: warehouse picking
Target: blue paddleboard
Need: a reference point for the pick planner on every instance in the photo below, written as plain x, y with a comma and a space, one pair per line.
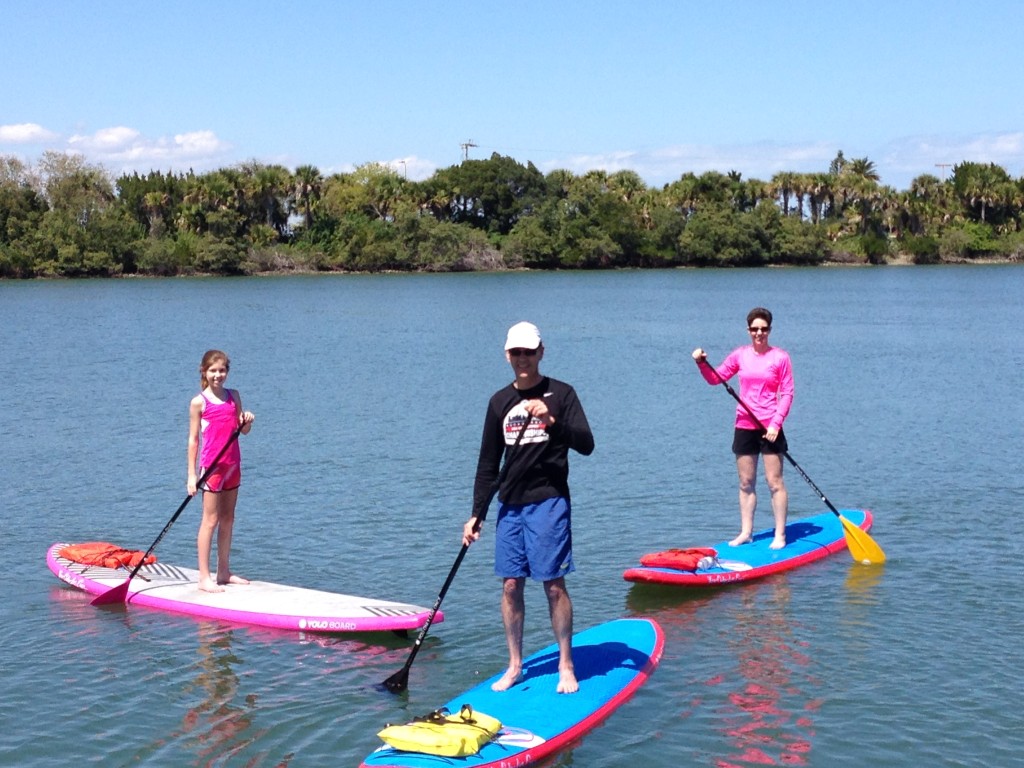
612, 660
807, 540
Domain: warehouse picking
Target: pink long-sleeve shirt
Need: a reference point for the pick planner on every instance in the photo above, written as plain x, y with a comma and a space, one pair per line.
766, 384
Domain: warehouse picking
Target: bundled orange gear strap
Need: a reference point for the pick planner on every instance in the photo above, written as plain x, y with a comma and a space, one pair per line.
105, 554
679, 559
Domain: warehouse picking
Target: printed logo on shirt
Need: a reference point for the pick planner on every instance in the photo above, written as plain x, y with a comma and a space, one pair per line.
535, 433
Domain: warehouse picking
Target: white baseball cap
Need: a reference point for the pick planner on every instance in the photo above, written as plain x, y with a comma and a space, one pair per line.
522, 336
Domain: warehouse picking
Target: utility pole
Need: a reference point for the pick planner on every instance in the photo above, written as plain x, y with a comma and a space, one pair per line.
405, 169
943, 166
465, 148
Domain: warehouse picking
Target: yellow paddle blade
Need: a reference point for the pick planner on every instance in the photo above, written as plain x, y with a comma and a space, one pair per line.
863, 548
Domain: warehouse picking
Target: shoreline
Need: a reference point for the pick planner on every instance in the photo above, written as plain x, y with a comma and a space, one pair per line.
898, 261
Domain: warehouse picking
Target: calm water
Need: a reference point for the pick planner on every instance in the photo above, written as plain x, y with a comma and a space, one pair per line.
369, 393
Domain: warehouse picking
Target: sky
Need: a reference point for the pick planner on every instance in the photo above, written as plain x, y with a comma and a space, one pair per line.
661, 88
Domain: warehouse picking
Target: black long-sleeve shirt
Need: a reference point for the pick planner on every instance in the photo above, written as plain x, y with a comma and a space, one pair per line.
538, 468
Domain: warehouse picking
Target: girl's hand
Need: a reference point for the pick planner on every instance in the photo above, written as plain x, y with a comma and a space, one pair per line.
245, 420
699, 354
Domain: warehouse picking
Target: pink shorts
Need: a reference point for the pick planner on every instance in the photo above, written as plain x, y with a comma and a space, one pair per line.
225, 477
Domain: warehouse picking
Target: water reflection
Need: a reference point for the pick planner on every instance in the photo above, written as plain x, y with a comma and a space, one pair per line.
739, 643
761, 721
861, 584
219, 724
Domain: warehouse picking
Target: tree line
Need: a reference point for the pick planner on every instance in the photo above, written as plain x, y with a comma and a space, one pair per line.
64, 217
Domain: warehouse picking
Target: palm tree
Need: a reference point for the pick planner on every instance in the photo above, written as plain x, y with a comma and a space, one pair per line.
783, 185
683, 194
307, 186
266, 186
864, 168
985, 188
819, 194
626, 184
155, 204
925, 203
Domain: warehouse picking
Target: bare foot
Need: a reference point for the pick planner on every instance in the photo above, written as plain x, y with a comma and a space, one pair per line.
510, 678
208, 585
567, 681
743, 538
777, 543
232, 579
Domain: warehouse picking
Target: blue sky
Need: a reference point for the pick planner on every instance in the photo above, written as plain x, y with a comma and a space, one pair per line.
660, 88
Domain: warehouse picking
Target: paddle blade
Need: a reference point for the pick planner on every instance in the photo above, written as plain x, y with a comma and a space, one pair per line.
118, 594
863, 548
398, 682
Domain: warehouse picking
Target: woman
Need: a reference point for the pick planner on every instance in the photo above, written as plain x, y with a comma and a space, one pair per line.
766, 387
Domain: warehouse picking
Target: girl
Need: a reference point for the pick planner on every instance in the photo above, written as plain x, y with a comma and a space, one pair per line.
215, 413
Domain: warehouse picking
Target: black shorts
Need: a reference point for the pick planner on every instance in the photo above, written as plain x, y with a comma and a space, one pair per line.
750, 442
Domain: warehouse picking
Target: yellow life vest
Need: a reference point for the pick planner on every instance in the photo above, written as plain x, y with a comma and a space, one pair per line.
441, 733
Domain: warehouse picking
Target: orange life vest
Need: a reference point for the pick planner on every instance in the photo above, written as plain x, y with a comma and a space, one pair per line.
105, 554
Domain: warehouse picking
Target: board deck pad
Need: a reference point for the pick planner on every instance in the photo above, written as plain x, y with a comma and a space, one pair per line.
612, 661
807, 540
260, 603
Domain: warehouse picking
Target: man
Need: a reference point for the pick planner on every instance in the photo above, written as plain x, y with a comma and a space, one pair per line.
533, 536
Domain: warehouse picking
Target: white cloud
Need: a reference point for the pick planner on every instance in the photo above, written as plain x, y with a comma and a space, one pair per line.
897, 162
105, 140
25, 133
412, 167
200, 143
664, 165
913, 156
124, 150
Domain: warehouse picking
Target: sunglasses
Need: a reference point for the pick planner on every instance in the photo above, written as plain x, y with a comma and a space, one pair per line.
519, 352
760, 329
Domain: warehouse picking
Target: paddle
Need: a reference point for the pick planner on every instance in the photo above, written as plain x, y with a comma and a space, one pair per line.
399, 681
120, 593
862, 547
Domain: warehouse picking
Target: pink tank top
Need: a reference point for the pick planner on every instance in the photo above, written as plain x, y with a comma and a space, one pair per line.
219, 421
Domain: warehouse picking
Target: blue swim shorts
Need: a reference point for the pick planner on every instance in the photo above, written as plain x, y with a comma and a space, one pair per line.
534, 540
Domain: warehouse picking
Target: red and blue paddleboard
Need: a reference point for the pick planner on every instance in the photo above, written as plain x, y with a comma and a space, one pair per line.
807, 540
612, 661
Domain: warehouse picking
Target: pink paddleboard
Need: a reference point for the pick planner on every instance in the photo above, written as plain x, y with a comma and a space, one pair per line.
260, 603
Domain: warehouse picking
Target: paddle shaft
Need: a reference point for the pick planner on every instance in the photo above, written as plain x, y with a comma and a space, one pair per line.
188, 498
399, 681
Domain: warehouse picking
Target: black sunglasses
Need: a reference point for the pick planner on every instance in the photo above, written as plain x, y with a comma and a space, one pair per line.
518, 352
762, 329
